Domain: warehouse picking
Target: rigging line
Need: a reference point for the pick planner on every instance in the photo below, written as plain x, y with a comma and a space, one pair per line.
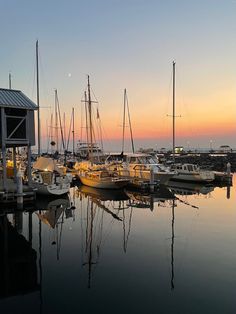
86, 115
99, 236
101, 228
82, 105
94, 137
106, 235
101, 135
51, 132
68, 139
99, 128
60, 235
82, 232
124, 232
130, 126
129, 229
48, 134
62, 137
94, 94
87, 222
96, 215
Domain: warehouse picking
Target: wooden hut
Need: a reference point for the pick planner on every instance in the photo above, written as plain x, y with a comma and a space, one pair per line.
17, 128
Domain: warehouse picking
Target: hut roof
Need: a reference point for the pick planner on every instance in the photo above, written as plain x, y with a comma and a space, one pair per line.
12, 98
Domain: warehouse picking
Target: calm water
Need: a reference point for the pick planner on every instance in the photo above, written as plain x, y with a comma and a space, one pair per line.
122, 253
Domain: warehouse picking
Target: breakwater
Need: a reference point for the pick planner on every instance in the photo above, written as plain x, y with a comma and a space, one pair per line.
217, 162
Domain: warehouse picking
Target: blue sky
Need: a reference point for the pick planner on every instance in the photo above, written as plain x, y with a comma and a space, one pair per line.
128, 44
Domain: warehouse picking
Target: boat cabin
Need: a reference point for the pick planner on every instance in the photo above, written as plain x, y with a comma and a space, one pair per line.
185, 167
132, 158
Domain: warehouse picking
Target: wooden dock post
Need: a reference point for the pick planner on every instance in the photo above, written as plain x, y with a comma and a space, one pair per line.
4, 163
151, 180
19, 184
228, 169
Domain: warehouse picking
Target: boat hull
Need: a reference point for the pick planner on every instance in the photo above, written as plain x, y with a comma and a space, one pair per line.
109, 184
52, 190
162, 177
194, 177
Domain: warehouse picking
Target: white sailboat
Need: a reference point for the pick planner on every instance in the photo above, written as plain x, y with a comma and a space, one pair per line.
187, 172
137, 165
96, 175
48, 178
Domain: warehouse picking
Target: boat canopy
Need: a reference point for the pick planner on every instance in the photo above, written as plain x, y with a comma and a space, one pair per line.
47, 164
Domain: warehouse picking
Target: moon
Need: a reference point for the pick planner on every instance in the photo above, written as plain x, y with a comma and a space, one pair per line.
69, 74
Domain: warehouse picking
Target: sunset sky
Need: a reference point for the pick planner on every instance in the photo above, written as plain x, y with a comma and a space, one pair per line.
129, 44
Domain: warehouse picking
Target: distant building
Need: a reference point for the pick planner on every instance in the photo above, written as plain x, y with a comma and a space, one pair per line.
225, 149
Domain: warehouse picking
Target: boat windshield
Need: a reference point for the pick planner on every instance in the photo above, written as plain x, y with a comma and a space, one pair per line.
144, 160
150, 160
118, 157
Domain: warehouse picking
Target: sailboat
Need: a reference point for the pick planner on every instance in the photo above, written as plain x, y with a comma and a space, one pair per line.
97, 176
186, 172
137, 165
48, 178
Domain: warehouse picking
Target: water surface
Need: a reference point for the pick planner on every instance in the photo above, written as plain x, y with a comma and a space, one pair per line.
122, 253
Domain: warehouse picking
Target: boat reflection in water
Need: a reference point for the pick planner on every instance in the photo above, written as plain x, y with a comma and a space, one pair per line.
147, 200
97, 205
187, 188
102, 194
109, 238
53, 212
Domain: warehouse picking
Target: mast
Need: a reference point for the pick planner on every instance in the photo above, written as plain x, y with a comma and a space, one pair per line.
37, 78
64, 126
56, 122
173, 149
90, 122
123, 133
9, 78
73, 131
51, 131
86, 117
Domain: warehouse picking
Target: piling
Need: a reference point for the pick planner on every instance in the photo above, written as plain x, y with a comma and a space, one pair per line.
228, 167
19, 186
151, 180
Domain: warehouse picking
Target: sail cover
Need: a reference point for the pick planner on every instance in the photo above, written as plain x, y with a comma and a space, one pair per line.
47, 164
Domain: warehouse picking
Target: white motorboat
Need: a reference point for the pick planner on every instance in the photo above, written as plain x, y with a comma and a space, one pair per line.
139, 165
191, 173
48, 178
